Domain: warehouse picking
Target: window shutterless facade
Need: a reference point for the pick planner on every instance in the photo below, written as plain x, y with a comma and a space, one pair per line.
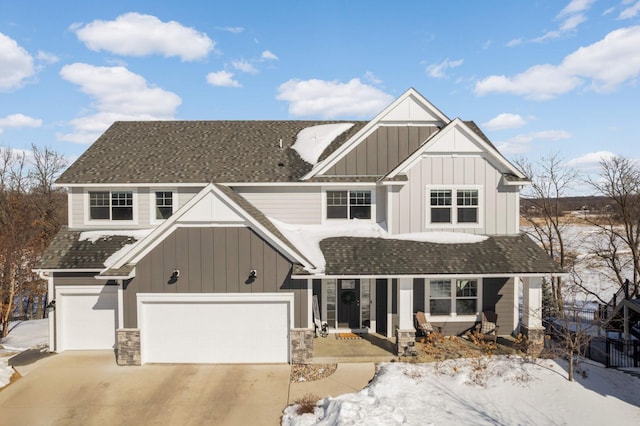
349, 204
111, 205
164, 204
453, 206
459, 297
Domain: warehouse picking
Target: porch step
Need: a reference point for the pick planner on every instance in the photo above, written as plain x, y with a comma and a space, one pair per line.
635, 372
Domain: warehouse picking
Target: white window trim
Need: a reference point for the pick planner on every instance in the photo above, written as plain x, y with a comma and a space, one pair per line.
348, 189
454, 207
152, 203
453, 317
87, 208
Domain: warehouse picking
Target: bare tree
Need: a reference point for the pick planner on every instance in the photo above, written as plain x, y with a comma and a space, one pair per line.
619, 181
31, 212
550, 181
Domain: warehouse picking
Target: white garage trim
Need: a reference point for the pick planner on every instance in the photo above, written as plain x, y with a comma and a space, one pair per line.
216, 335
81, 327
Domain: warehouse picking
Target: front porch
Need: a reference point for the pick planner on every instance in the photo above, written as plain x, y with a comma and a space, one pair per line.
367, 347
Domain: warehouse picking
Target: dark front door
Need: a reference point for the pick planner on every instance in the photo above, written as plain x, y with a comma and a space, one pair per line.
381, 306
349, 303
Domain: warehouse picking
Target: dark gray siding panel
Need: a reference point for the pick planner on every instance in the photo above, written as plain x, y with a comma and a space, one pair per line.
498, 296
418, 294
214, 260
455, 328
382, 151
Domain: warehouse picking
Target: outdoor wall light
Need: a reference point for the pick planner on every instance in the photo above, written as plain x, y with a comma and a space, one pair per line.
51, 305
174, 276
253, 273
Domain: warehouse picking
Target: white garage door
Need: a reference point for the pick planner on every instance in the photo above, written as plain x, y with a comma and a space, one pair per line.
215, 328
86, 317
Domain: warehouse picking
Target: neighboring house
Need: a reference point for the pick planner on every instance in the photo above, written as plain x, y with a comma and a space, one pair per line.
208, 241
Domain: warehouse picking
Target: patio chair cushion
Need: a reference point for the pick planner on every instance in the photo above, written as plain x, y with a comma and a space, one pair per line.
487, 327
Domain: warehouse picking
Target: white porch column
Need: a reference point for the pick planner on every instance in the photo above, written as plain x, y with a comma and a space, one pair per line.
406, 333
532, 313
532, 302
405, 304
51, 314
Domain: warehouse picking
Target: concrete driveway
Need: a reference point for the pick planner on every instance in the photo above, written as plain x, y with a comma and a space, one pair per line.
88, 388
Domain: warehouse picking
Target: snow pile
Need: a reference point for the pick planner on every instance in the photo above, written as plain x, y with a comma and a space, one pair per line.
23, 335
307, 238
312, 141
481, 391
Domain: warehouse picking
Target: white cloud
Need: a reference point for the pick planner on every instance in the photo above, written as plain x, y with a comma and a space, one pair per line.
371, 78
575, 6
521, 143
16, 65
134, 34
439, 70
268, 55
590, 161
607, 63
244, 66
331, 99
630, 12
117, 94
572, 16
505, 121
19, 120
46, 57
486, 45
222, 79
514, 42
233, 30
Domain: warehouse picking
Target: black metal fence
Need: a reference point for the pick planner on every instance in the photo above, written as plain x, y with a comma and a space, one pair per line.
615, 352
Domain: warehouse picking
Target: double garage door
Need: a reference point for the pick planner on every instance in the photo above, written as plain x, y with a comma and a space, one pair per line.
180, 328
215, 328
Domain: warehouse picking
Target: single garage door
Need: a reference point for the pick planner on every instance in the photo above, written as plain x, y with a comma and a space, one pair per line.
215, 328
86, 317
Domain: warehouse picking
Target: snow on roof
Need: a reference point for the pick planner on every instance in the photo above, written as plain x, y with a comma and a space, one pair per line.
312, 141
307, 238
93, 236
137, 234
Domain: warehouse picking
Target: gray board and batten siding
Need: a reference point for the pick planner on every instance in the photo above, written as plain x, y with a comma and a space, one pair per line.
497, 296
214, 260
382, 151
499, 202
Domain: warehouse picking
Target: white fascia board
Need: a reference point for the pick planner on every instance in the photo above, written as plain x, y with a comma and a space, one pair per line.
48, 271
432, 276
132, 185
300, 184
345, 148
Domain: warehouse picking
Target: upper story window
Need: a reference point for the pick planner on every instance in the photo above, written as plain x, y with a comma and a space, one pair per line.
453, 206
114, 205
349, 204
164, 204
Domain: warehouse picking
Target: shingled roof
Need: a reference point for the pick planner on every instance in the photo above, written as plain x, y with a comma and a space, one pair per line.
377, 256
67, 251
197, 152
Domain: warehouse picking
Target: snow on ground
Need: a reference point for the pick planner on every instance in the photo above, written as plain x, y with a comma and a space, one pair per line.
312, 141
22, 335
307, 237
482, 391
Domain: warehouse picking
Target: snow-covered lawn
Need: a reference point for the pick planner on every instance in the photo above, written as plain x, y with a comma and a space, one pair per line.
23, 335
484, 391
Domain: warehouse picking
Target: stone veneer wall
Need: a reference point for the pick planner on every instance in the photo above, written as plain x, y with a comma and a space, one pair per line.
405, 342
128, 346
302, 345
536, 337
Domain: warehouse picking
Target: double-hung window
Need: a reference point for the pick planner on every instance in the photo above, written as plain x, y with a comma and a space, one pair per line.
453, 206
114, 205
164, 204
349, 204
447, 297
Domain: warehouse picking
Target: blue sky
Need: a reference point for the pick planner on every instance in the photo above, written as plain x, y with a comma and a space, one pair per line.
539, 77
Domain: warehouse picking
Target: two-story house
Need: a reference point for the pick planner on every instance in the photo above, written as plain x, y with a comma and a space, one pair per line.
212, 241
